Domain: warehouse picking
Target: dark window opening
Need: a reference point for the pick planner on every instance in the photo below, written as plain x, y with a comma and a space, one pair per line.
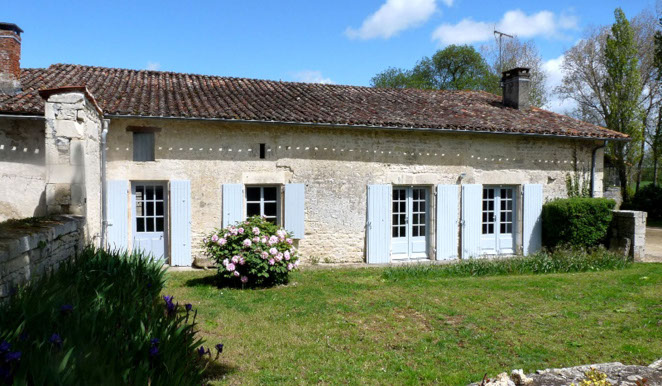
143, 146
263, 151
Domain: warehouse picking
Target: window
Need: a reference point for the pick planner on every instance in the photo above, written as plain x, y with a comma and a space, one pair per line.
263, 201
143, 146
263, 151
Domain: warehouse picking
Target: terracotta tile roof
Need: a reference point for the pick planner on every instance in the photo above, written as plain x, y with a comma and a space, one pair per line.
167, 94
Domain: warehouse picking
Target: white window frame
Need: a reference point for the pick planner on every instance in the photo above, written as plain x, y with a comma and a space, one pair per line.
262, 201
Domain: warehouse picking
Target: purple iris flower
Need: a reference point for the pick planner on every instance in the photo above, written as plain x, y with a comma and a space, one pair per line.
219, 348
188, 306
12, 356
201, 351
56, 340
168, 299
153, 351
4, 346
154, 341
66, 308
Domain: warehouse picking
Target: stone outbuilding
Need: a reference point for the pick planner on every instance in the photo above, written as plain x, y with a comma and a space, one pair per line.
157, 160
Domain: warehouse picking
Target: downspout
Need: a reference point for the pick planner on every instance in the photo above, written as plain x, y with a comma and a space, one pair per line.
593, 166
104, 220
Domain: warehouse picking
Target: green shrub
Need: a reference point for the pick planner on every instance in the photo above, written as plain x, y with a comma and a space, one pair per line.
98, 320
578, 221
254, 252
647, 199
559, 261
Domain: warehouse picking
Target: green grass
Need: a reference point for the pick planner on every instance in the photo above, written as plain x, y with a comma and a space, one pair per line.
354, 326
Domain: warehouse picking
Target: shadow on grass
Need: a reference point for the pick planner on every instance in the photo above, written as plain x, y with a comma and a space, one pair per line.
213, 281
217, 371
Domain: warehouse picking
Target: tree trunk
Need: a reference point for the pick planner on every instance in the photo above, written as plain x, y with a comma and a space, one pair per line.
654, 169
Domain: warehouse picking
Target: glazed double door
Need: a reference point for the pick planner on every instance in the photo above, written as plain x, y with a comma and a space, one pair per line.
409, 223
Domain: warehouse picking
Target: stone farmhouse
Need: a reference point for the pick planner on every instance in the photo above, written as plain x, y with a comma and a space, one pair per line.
156, 160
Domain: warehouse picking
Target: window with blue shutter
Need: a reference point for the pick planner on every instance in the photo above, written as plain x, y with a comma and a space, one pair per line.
531, 218
117, 199
378, 224
472, 196
295, 209
233, 204
180, 220
447, 231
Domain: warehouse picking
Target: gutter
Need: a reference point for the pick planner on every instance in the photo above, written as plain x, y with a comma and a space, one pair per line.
104, 210
593, 166
21, 116
346, 126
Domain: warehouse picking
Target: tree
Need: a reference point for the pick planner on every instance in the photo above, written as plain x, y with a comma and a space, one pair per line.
453, 68
516, 53
623, 89
656, 137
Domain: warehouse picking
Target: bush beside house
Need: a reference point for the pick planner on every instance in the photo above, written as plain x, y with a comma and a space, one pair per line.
99, 320
647, 199
254, 252
578, 221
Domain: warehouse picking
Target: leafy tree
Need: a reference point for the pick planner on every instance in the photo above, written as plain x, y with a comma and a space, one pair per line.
623, 88
453, 68
656, 137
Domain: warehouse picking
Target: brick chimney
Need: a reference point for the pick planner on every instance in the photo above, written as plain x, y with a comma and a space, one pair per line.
516, 84
10, 58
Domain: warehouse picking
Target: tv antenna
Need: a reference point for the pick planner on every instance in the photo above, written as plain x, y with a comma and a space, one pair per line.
499, 36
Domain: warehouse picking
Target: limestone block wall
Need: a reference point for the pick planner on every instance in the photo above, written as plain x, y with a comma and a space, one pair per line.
73, 161
22, 168
30, 248
628, 229
336, 165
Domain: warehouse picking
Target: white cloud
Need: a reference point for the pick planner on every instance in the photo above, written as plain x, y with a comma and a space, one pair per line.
311, 76
153, 66
554, 73
393, 17
515, 22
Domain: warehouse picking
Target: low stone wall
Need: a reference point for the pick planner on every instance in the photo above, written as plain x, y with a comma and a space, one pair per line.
628, 233
31, 247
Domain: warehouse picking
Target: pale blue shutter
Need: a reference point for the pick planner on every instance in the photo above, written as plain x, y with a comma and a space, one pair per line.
180, 220
117, 199
531, 219
378, 226
294, 209
472, 198
233, 204
447, 221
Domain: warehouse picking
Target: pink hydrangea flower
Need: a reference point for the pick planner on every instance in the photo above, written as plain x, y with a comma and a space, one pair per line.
289, 241
265, 255
214, 238
236, 273
272, 262
273, 240
241, 231
256, 239
273, 251
242, 261
281, 234
221, 242
225, 262
230, 267
263, 239
247, 243
287, 255
235, 259
256, 230
290, 266
244, 279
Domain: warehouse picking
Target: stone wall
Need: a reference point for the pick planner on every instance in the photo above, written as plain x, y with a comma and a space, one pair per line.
628, 233
336, 165
32, 247
22, 168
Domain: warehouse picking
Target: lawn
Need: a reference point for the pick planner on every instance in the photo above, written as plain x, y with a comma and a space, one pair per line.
355, 326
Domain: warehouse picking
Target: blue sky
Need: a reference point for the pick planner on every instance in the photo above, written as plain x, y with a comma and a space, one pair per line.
341, 41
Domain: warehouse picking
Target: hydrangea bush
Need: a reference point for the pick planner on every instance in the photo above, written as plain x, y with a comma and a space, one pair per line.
252, 253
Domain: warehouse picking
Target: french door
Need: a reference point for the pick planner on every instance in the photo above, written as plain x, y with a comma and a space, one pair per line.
409, 227
498, 221
149, 218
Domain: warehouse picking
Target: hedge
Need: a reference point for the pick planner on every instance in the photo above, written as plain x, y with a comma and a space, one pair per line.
647, 199
579, 221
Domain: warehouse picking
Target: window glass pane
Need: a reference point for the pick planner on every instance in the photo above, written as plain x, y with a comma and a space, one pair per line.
422, 194
416, 192
149, 208
149, 225
415, 206
159, 192
140, 224
422, 206
403, 231
415, 219
402, 219
272, 220
422, 230
270, 209
149, 193
403, 207
395, 207
395, 232
159, 208
414, 231
395, 219
159, 224
422, 218
270, 194
139, 207
253, 194
252, 210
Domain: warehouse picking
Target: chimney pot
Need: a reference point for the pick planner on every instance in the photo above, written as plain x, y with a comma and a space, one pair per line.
516, 85
10, 58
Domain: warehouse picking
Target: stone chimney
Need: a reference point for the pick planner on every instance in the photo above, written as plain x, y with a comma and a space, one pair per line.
10, 58
516, 83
